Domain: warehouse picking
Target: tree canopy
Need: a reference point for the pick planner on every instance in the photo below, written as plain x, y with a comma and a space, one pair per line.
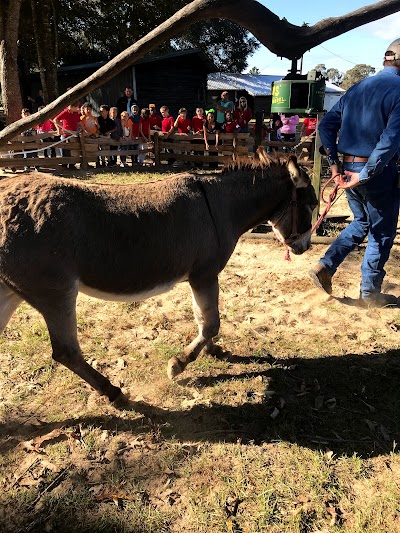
347, 79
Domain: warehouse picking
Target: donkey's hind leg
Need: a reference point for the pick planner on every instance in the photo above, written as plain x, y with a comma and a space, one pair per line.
60, 316
205, 307
9, 301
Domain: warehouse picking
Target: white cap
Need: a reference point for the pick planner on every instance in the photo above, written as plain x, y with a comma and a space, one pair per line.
393, 51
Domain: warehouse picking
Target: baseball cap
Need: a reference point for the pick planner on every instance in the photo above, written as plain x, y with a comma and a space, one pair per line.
393, 51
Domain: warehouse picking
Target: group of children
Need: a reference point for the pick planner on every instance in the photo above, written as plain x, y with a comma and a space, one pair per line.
135, 126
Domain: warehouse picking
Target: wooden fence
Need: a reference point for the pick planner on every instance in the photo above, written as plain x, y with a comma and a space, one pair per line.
29, 151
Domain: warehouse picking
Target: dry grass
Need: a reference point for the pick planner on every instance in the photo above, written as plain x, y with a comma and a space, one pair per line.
296, 431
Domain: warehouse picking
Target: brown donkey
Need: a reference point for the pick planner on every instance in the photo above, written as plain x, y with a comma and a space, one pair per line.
130, 242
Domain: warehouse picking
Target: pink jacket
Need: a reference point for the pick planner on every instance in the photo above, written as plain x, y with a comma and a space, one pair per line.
289, 124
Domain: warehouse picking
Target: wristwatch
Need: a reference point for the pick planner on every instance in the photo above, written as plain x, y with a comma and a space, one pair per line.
332, 160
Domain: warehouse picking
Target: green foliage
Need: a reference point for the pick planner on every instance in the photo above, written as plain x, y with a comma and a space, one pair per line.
99, 30
349, 78
356, 74
254, 70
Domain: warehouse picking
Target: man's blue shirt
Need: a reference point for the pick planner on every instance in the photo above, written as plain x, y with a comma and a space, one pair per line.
368, 117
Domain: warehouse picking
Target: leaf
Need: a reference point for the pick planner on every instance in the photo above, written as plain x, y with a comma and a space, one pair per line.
57, 435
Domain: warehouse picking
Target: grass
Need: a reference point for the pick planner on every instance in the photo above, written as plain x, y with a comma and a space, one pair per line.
294, 431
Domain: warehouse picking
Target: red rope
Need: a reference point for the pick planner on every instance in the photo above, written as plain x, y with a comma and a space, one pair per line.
329, 202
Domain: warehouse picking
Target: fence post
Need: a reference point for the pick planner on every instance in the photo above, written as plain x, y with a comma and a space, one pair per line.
316, 179
84, 164
156, 149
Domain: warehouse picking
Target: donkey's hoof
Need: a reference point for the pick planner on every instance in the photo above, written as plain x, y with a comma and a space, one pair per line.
121, 401
175, 367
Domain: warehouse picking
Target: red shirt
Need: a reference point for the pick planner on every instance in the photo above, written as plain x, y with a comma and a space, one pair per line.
167, 123
230, 127
243, 117
135, 128
145, 122
155, 120
310, 124
184, 125
197, 124
69, 121
46, 126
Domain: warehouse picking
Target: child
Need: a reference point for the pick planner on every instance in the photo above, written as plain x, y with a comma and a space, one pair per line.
67, 123
90, 125
210, 127
182, 123
106, 127
154, 118
167, 127
28, 133
135, 117
45, 127
198, 120
144, 132
115, 135
126, 125
230, 125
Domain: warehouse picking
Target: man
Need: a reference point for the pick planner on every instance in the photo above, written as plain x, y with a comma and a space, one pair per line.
126, 102
368, 117
223, 105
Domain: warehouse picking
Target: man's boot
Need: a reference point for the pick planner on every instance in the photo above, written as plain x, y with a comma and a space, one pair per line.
321, 278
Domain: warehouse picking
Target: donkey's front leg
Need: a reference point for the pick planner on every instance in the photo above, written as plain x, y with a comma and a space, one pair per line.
205, 307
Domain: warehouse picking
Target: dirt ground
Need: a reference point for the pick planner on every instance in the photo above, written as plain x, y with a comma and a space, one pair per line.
298, 422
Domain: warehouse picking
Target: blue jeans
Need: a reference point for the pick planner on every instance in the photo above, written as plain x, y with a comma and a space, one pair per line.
375, 207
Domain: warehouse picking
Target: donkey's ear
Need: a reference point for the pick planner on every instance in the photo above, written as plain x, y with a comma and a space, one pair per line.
298, 176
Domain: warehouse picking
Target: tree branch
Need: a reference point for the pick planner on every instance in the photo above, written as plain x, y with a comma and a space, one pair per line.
278, 35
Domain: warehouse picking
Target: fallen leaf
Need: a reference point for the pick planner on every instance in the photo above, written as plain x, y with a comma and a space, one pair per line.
57, 435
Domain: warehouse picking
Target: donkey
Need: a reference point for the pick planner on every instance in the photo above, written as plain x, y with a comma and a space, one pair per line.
130, 242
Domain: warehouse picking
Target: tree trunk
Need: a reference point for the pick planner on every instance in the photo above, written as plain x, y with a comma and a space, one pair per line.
281, 37
44, 27
9, 79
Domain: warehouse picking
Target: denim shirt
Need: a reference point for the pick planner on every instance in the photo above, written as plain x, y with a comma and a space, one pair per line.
368, 117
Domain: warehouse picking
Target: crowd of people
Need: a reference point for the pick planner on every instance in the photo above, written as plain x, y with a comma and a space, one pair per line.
127, 122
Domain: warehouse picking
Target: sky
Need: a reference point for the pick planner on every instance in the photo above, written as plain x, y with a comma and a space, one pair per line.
365, 44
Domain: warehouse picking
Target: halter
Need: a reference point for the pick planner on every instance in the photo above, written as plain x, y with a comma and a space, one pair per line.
293, 208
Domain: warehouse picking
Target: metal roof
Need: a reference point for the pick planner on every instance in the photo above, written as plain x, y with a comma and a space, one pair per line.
254, 84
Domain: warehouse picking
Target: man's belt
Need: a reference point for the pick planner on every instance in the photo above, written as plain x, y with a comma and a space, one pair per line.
354, 159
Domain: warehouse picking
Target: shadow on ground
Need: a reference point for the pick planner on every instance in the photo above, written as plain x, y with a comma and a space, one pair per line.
347, 403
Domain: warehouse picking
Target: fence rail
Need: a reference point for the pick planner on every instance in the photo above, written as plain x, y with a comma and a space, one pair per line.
34, 151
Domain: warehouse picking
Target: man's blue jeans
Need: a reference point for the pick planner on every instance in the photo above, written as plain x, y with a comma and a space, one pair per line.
375, 207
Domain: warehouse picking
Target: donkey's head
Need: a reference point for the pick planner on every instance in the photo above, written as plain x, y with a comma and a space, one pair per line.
292, 226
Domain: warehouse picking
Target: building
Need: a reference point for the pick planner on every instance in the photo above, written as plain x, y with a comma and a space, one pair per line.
257, 89
177, 79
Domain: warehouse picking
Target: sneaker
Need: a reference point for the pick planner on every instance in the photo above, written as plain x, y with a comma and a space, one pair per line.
380, 299
321, 278
26, 169
122, 165
13, 169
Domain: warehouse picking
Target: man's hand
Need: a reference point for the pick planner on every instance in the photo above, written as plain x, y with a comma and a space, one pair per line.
352, 182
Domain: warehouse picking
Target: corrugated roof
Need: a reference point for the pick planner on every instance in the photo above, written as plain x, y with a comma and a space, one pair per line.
254, 84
